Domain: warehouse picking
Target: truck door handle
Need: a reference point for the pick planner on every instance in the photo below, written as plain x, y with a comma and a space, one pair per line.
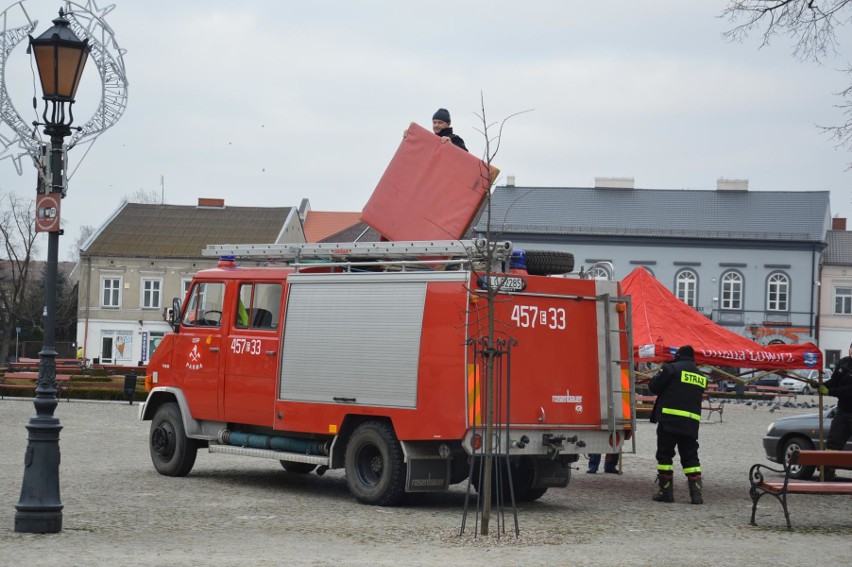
344, 400
271, 352
214, 349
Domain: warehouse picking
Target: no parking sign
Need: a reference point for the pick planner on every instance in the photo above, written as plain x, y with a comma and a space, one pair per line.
47, 212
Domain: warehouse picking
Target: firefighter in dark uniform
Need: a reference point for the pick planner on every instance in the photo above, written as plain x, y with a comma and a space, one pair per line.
839, 386
679, 387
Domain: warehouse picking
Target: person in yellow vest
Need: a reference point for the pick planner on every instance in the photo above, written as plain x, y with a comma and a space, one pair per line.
679, 387
242, 314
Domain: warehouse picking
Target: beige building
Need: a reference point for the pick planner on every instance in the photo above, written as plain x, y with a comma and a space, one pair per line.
835, 293
144, 255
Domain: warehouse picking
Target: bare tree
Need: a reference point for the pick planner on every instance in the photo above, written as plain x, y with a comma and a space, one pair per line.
18, 241
31, 309
812, 25
152, 197
85, 232
492, 148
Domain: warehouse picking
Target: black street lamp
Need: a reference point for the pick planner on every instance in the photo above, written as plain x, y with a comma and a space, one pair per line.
60, 56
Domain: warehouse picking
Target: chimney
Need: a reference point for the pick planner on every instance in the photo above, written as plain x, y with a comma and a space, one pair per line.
723, 184
304, 208
838, 223
211, 203
510, 181
614, 183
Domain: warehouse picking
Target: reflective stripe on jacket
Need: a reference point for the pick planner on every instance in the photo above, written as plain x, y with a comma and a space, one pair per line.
679, 386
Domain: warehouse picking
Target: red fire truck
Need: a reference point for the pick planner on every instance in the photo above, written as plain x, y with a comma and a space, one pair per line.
372, 357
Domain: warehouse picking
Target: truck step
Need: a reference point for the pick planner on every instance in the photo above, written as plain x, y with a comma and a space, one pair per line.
269, 454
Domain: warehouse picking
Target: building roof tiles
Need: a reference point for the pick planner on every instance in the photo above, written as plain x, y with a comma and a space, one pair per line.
678, 213
178, 231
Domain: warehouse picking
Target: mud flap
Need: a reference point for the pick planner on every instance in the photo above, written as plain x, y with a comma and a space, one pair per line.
548, 473
427, 475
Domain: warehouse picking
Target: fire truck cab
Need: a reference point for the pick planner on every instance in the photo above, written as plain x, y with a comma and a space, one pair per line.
376, 358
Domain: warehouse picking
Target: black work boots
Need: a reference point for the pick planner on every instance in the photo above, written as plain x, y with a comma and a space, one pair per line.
695, 489
666, 492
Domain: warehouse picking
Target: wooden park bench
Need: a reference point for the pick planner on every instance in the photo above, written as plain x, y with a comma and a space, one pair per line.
644, 405
711, 406
63, 383
780, 489
24, 364
773, 391
63, 365
139, 370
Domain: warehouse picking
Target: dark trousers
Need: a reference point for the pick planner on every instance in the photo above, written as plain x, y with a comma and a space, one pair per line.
610, 464
840, 431
687, 448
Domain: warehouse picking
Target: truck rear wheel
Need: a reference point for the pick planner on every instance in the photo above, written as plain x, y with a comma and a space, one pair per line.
172, 452
375, 466
522, 479
523, 472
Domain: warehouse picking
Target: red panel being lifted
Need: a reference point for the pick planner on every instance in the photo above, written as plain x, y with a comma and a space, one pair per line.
431, 190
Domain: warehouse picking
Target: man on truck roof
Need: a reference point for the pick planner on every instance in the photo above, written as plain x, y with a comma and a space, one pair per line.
442, 127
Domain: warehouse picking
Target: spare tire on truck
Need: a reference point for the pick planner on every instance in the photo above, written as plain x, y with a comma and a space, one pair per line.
549, 262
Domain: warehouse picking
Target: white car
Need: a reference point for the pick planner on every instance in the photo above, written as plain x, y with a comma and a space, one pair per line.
801, 387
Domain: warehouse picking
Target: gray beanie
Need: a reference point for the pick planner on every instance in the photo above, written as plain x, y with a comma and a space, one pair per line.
442, 114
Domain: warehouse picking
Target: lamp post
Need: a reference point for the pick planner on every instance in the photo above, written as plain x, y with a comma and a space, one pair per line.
60, 57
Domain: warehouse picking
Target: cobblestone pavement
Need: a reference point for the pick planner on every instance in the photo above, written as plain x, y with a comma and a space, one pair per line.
239, 511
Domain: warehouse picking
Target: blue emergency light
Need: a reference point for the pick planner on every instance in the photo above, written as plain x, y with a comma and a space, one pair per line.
518, 260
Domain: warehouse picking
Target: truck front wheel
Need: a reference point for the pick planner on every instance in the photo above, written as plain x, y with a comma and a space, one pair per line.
375, 466
172, 453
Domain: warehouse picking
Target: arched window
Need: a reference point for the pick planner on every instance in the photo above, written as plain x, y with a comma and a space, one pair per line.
732, 290
600, 272
778, 292
686, 287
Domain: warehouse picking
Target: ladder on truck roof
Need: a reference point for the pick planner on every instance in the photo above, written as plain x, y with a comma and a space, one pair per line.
369, 253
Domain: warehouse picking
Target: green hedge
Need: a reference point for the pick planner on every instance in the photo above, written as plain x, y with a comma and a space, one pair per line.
95, 393
107, 379
81, 393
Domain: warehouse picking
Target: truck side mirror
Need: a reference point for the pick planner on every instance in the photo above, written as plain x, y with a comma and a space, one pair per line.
174, 316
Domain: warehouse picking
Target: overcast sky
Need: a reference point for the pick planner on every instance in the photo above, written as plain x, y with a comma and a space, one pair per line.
265, 103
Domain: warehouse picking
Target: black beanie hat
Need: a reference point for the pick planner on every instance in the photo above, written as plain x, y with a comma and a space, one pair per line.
442, 114
685, 351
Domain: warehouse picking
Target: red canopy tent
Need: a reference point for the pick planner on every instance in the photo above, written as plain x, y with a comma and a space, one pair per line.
662, 323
